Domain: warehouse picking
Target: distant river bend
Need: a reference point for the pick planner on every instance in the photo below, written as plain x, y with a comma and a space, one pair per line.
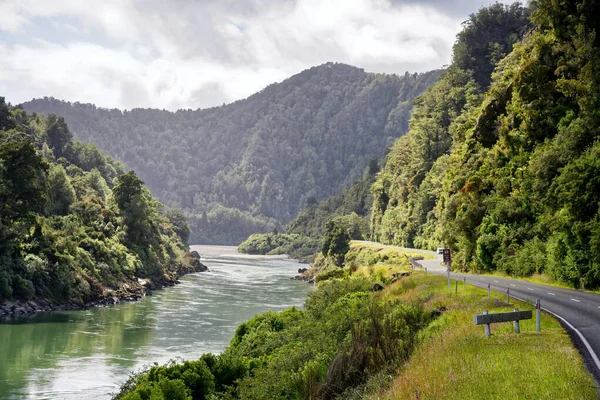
87, 354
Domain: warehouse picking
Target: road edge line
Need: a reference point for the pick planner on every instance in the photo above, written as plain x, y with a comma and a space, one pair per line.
591, 351
583, 339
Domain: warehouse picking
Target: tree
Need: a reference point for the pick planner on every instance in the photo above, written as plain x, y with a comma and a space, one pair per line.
137, 207
58, 135
487, 37
60, 191
21, 182
180, 224
6, 119
336, 242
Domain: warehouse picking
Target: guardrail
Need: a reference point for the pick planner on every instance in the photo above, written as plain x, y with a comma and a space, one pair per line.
487, 319
413, 261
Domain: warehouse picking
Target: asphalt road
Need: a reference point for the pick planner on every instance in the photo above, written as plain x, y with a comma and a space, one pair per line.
578, 312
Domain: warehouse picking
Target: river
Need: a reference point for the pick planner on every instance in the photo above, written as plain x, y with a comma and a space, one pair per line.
88, 354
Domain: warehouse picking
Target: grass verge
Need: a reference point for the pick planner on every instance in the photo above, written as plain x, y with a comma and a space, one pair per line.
457, 361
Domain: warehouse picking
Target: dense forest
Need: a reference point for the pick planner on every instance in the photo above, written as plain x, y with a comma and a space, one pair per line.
251, 166
349, 208
73, 226
504, 167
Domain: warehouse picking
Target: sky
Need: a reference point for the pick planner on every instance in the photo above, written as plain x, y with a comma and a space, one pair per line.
203, 53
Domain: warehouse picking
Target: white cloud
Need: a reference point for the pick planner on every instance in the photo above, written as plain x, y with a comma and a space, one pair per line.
190, 54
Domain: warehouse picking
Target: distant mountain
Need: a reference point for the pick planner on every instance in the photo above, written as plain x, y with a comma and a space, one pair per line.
250, 166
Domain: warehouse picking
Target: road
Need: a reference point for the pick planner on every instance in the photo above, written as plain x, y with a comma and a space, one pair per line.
579, 312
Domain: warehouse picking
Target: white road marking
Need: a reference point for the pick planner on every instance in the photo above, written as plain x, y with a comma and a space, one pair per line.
530, 288
585, 342
513, 285
576, 300
552, 294
496, 281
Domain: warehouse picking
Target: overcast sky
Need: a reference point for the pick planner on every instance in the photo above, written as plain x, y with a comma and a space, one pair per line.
201, 53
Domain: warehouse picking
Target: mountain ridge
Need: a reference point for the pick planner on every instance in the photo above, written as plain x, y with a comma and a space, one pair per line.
250, 166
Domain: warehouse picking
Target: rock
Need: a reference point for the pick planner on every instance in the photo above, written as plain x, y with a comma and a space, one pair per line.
312, 282
376, 287
302, 270
198, 266
195, 255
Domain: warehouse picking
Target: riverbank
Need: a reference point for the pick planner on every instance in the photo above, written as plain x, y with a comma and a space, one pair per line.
89, 353
132, 290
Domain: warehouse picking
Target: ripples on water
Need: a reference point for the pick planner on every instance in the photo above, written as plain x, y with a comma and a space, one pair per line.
87, 354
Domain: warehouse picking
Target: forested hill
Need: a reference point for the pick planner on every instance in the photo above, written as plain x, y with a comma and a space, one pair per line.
74, 228
510, 175
251, 165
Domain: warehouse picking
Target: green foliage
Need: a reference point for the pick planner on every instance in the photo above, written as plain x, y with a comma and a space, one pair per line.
252, 165
350, 206
65, 236
296, 246
336, 242
345, 335
514, 187
60, 191
487, 37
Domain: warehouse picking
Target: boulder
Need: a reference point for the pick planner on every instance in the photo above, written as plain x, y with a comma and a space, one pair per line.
194, 254
198, 266
302, 270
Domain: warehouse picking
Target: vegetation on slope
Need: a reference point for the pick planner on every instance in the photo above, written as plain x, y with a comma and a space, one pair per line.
350, 342
508, 178
295, 246
350, 205
252, 165
72, 224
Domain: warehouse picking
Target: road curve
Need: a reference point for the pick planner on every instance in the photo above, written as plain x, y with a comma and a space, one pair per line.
579, 312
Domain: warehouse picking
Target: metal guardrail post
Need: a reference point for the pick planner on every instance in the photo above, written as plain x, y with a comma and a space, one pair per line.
516, 323
538, 322
488, 333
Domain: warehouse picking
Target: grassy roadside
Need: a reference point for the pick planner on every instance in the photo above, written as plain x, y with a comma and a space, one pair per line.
457, 361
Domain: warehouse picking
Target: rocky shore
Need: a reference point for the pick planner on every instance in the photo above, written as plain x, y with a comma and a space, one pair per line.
129, 291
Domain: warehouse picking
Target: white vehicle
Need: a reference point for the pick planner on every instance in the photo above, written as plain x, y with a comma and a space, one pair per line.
440, 250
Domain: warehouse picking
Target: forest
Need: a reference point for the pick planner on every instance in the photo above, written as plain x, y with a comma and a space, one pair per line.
252, 165
73, 225
501, 161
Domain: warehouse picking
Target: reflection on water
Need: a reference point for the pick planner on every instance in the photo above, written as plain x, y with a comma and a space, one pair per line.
89, 353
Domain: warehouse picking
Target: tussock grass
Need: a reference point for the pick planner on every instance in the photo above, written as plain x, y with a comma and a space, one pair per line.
457, 361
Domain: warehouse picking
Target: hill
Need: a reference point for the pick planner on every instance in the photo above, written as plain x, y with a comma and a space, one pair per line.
250, 166
75, 229
509, 176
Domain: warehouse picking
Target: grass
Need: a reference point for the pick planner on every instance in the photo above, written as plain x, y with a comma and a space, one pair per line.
457, 361
384, 250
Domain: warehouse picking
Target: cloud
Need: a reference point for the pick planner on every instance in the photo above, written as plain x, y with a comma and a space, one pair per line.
196, 54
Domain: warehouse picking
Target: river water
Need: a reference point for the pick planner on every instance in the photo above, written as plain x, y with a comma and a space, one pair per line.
87, 354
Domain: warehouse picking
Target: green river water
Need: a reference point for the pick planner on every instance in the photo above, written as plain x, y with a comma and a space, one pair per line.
87, 354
